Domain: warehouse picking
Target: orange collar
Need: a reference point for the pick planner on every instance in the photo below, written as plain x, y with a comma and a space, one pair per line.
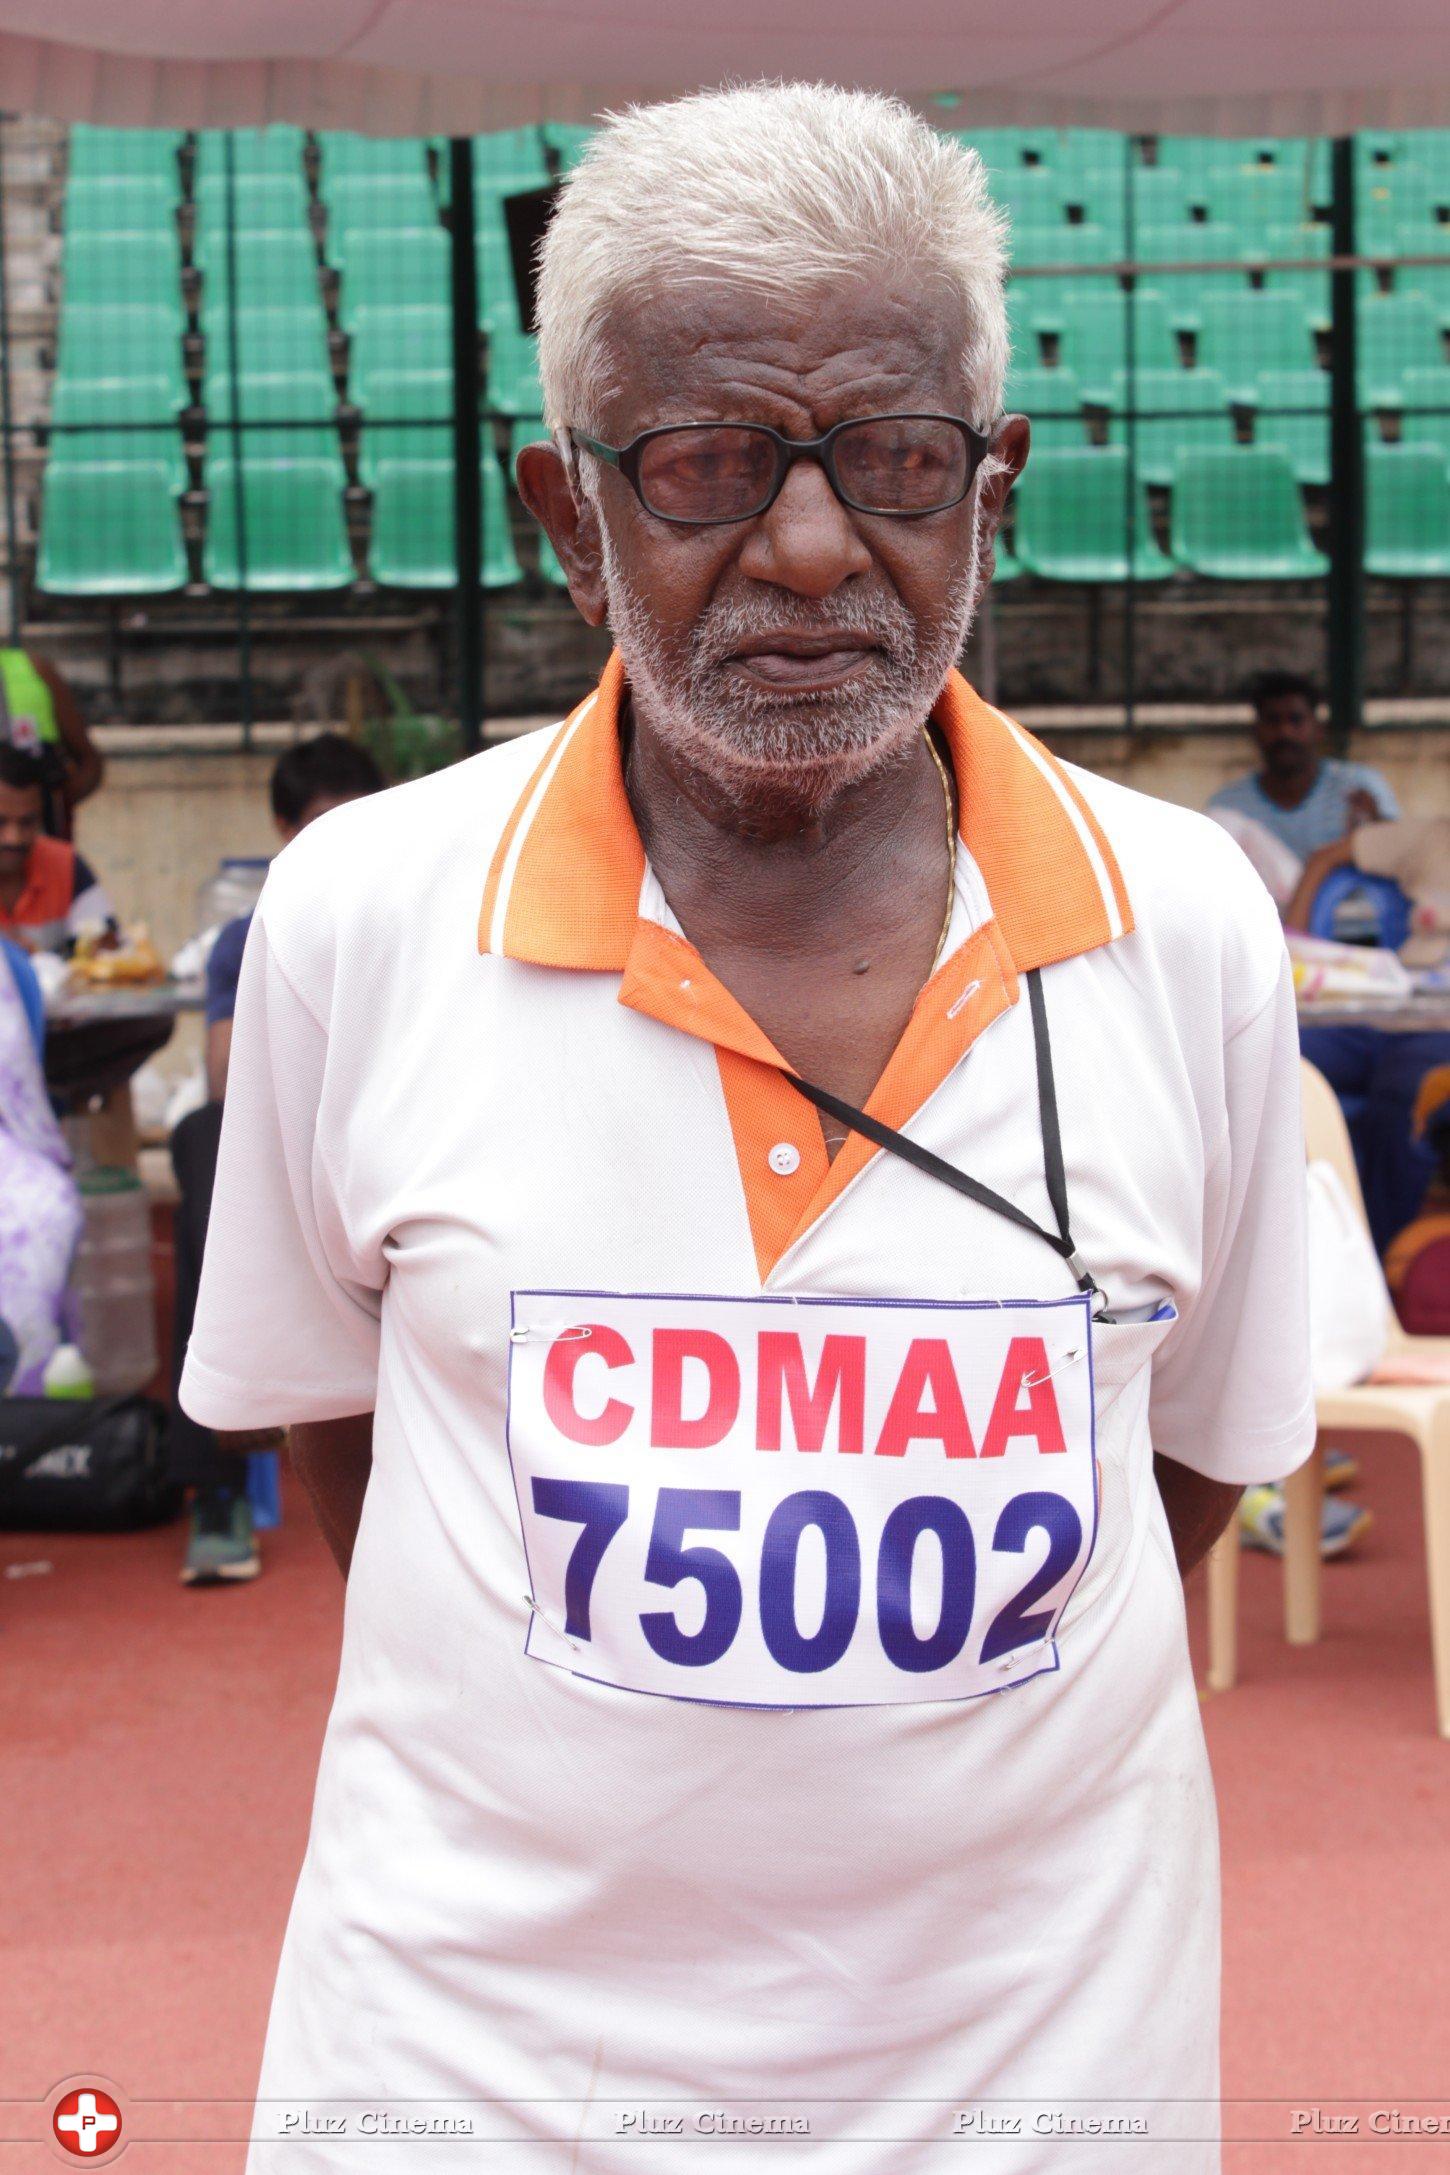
564, 887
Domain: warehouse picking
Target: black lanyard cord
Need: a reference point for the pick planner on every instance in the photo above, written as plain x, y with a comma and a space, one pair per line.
935, 1166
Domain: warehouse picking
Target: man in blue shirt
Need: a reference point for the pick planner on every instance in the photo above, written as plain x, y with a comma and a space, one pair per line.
1306, 798
307, 780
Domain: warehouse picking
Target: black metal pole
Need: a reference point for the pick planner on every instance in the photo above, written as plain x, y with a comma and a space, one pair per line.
239, 511
467, 444
1346, 589
7, 424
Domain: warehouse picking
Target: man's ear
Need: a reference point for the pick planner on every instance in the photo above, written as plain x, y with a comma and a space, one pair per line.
570, 523
1008, 456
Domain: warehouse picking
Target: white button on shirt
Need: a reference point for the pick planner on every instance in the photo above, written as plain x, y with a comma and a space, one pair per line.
784, 1159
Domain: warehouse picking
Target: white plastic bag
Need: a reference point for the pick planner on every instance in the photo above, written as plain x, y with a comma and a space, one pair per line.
1349, 1301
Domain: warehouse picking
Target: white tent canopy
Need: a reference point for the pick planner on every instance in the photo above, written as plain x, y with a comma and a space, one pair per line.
452, 66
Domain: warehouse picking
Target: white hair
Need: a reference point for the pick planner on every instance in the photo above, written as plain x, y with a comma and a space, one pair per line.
782, 187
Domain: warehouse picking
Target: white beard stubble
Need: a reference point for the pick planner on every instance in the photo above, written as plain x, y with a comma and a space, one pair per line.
748, 738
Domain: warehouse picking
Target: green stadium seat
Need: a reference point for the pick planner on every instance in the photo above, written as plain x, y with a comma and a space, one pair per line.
1008, 567
275, 150
270, 268
1405, 200
1031, 197
283, 417
1395, 333
1242, 335
103, 341
116, 154
131, 421
295, 534
1291, 413
1192, 242
385, 340
1254, 198
135, 204
509, 160
372, 203
1081, 244
142, 269
1375, 148
407, 268
1431, 282
415, 408
1072, 519
513, 374
1024, 297
1176, 411
1083, 154
1429, 149
1310, 289
1093, 338
1425, 414
109, 528
1051, 401
1204, 155
1407, 513
498, 299
286, 339
1162, 197
266, 203
413, 540
347, 158
567, 140
1238, 516
999, 149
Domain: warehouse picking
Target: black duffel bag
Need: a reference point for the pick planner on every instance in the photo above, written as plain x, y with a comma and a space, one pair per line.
83, 1464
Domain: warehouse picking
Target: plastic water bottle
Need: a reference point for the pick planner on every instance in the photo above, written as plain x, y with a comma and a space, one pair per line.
67, 1373
112, 1283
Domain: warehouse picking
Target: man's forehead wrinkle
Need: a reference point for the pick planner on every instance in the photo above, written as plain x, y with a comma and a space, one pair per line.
736, 378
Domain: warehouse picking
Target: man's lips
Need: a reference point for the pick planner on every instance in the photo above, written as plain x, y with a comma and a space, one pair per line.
804, 660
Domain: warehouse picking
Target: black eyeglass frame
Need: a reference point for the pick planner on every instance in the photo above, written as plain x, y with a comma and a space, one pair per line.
787, 452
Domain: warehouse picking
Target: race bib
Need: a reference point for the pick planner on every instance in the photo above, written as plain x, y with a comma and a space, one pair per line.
801, 1502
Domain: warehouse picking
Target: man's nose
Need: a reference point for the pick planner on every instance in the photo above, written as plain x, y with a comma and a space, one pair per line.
807, 541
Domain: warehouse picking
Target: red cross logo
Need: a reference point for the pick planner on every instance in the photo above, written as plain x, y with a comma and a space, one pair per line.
87, 2121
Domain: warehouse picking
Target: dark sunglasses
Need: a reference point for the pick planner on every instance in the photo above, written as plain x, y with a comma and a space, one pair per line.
705, 474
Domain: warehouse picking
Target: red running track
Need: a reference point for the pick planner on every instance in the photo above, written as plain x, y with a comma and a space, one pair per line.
158, 1755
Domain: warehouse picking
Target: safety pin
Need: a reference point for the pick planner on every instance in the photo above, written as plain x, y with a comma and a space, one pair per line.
1069, 1359
571, 1335
549, 1624
965, 998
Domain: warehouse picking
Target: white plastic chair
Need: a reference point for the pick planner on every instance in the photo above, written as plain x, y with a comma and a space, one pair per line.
1422, 1412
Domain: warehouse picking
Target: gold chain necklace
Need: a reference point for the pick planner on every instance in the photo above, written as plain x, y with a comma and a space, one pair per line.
946, 787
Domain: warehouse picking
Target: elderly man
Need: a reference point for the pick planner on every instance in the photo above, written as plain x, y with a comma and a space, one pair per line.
720, 1185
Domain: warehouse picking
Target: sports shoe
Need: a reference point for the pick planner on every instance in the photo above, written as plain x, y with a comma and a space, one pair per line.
1261, 1522
1340, 1469
221, 1543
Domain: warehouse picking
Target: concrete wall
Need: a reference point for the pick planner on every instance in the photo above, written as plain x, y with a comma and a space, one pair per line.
175, 802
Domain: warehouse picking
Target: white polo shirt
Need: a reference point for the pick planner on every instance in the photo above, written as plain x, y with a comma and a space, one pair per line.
536, 1894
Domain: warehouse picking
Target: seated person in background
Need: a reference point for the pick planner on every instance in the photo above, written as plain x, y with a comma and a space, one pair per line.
307, 780
1303, 796
40, 1208
48, 893
40, 716
1375, 1071
1417, 1266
